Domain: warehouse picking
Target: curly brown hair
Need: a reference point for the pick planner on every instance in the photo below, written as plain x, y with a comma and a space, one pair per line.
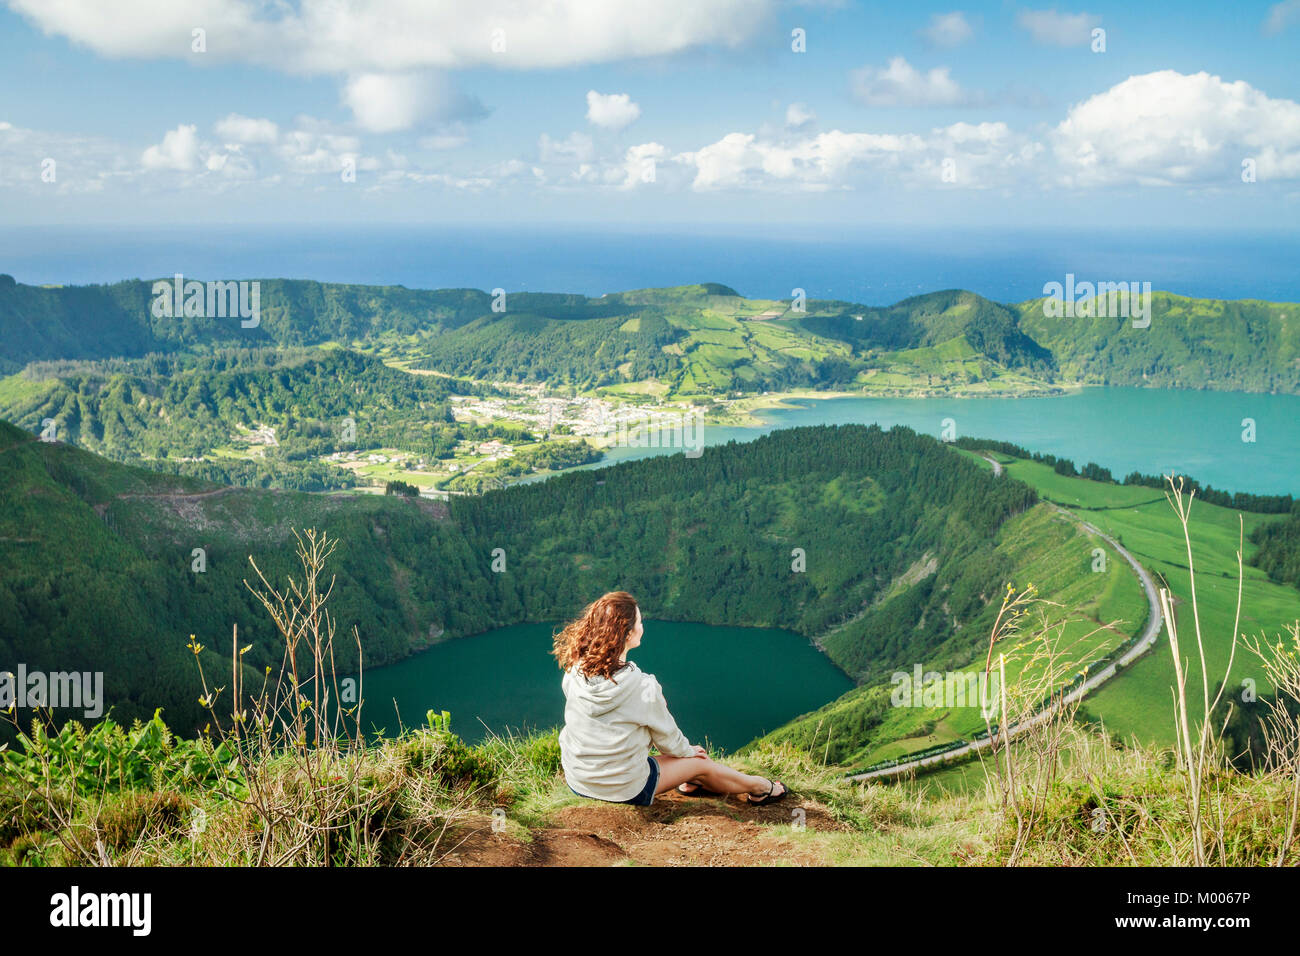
595, 641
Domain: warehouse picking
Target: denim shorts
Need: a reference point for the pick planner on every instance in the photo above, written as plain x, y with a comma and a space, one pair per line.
647, 794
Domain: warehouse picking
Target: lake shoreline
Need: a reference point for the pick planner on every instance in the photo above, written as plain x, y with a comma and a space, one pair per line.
743, 412
1235, 441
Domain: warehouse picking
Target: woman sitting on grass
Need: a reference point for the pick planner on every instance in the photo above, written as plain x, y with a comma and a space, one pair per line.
613, 711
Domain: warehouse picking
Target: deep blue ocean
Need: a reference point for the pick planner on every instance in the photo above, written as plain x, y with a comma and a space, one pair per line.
872, 268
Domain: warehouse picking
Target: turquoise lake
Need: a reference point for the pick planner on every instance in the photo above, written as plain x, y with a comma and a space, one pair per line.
725, 685
1124, 429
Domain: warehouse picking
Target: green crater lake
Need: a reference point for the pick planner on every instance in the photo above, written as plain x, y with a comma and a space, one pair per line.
726, 685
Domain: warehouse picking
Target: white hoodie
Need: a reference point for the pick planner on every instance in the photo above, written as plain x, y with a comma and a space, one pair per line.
608, 728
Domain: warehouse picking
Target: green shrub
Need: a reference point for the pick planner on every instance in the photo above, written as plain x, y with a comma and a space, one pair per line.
542, 753
446, 756
126, 818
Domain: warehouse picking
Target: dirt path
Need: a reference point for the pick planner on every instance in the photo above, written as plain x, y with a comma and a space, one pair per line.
180, 495
675, 831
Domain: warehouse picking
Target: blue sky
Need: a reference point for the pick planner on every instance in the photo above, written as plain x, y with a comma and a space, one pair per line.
650, 111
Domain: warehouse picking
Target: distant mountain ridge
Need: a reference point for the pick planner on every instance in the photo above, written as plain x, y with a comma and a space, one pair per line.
693, 340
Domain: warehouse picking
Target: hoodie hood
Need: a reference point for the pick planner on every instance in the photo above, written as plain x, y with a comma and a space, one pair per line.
597, 696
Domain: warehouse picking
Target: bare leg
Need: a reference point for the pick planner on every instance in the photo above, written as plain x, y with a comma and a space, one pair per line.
674, 771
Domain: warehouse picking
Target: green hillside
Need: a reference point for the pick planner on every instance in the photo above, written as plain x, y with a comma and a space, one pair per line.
103, 321
1143, 521
700, 340
1245, 345
111, 794
1039, 547
247, 416
695, 340
905, 556
96, 567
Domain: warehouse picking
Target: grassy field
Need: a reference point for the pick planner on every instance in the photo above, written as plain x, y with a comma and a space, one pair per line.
1137, 703
1097, 611
427, 798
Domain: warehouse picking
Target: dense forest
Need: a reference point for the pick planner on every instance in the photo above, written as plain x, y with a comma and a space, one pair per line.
804, 528
1246, 725
1244, 345
1279, 548
107, 321
169, 410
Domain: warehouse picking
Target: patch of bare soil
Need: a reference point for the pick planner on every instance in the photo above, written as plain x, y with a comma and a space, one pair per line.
674, 831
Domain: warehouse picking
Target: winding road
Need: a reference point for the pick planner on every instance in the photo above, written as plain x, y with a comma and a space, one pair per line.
1148, 639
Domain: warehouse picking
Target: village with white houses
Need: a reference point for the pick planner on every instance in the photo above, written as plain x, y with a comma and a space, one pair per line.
600, 422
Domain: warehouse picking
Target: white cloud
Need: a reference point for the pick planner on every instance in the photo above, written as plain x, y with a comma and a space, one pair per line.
1058, 29
299, 156
468, 183
641, 164
742, 160
611, 110
1282, 15
948, 29
798, 115
574, 148
388, 102
575, 161
1169, 128
901, 84
984, 155
509, 169
310, 148
504, 173
1161, 128
314, 148
82, 164
361, 36
179, 150
231, 165
244, 129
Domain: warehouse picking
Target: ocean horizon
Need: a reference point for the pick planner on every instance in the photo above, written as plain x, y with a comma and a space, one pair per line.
872, 269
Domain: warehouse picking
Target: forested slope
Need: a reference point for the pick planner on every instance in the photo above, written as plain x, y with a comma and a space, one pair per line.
172, 409
96, 558
1244, 345
105, 321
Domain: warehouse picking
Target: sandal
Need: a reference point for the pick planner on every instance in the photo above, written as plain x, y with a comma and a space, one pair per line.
699, 791
767, 797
